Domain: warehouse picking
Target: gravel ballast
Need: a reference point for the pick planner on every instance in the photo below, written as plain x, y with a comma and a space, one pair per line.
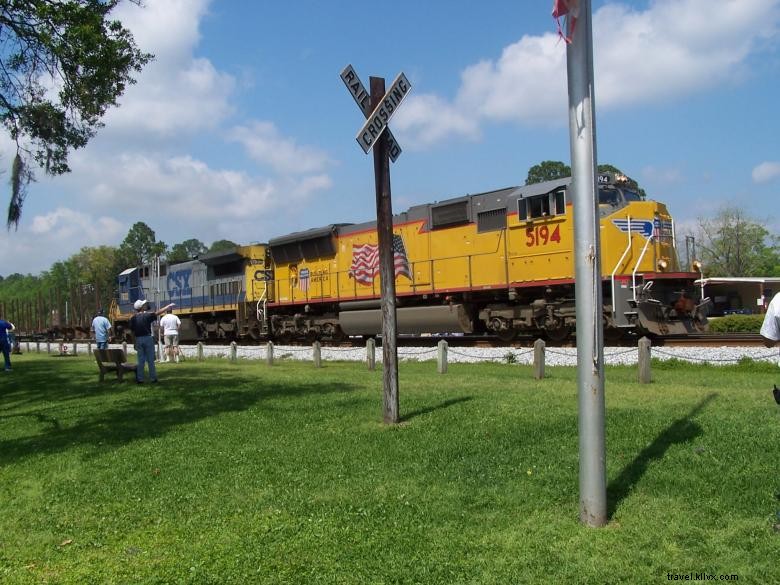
554, 356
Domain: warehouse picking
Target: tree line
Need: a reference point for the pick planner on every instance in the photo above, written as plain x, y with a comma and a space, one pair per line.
72, 291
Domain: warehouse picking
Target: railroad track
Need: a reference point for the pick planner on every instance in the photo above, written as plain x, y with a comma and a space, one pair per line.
693, 340
713, 340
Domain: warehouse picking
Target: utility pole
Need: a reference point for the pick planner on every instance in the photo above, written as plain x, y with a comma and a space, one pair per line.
589, 301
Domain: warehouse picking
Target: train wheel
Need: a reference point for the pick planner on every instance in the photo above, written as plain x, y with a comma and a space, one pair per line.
507, 335
254, 332
613, 334
558, 334
336, 334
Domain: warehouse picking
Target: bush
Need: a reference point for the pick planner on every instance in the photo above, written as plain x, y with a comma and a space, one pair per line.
736, 324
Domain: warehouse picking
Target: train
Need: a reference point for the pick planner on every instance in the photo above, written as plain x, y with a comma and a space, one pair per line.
496, 263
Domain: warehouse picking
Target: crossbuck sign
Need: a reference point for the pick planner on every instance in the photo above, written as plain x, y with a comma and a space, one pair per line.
376, 121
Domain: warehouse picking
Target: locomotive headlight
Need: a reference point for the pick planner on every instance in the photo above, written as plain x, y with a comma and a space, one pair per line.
663, 264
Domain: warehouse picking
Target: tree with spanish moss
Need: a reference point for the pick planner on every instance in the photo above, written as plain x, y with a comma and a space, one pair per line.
63, 64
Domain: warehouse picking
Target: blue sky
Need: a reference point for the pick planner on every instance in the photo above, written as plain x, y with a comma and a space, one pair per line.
242, 128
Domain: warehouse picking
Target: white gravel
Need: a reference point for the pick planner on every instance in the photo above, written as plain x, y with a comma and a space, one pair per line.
554, 356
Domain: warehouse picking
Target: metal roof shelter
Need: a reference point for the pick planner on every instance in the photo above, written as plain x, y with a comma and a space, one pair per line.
748, 294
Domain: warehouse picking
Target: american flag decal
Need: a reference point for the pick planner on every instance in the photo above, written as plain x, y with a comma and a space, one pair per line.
365, 261
303, 279
662, 228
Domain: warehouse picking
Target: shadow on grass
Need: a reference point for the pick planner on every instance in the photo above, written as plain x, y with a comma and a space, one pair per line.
427, 409
67, 410
680, 431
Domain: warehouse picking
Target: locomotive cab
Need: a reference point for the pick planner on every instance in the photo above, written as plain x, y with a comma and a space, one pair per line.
615, 192
129, 289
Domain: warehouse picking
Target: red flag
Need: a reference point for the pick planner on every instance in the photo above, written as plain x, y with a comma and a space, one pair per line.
571, 10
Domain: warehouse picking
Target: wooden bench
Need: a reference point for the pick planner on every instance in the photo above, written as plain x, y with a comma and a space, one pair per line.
113, 360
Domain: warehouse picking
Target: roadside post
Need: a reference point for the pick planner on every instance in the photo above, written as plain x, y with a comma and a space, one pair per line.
378, 107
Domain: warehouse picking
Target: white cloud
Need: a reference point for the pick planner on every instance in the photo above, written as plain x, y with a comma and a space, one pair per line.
671, 49
428, 119
168, 28
189, 190
766, 171
151, 188
264, 144
675, 47
518, 86
54, 236
67, 223
177, 92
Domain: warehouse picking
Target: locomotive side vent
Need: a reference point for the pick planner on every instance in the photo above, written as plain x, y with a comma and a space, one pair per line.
490, 221
450, 214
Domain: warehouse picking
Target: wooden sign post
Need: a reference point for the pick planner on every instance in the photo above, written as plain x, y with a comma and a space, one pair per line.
375, 134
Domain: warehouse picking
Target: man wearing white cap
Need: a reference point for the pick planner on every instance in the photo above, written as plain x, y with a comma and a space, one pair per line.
141, 326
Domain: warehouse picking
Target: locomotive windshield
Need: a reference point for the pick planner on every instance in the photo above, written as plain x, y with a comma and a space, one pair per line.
609, 197
631, 195
616, 197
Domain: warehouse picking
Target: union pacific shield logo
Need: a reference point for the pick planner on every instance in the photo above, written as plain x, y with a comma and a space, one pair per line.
638, 226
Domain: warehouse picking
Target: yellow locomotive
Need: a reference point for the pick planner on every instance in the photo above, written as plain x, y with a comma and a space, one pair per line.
499, 262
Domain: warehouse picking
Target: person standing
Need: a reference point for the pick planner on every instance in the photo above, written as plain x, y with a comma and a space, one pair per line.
141, 326
170, 324
5, 342
770, 328
101, 326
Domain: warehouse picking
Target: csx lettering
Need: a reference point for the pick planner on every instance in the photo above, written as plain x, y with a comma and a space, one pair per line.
539, 235
179, 283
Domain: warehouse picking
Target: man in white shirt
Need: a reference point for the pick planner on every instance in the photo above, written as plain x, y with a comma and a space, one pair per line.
170, 324
770, 329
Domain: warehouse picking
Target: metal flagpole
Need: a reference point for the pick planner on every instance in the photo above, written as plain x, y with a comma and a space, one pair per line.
590, 332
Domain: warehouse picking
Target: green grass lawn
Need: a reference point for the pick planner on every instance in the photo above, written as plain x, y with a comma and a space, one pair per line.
244, 473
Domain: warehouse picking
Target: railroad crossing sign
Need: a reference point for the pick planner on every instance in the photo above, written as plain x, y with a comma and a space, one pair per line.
378, 106
376, 121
